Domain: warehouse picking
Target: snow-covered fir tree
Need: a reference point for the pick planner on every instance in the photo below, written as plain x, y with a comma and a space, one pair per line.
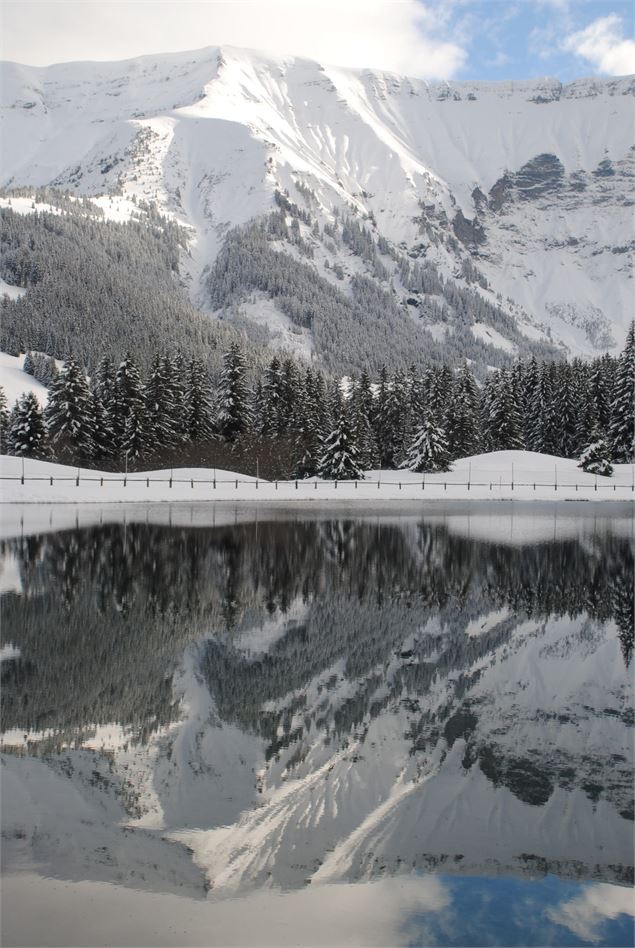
200, 419
622, 424
315, 412
501, 419
340, 456
428, 450
178, 398
361, 410
159, 404
28, 365
128, 417
566, 410
462, 418
103, 387
543, 428
269, 409
596, 458
4, 421
233, 414
69, 415
26, 435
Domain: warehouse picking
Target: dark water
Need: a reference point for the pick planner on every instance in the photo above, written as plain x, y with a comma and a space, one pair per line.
430, 714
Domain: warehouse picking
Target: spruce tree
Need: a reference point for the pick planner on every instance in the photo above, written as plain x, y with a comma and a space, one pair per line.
291, 397
565, 410
428, 450
159, 404
27, 436
69, 415
622, 424
128, 418
233, 416
315, 413
200, 419
502, 413
270, 410
4, 421
463, 428
103, 402
596, 458
361, 410
175, 371
339, 459
543, 433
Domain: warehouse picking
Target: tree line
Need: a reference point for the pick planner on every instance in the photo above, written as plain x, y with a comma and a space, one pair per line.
297, 422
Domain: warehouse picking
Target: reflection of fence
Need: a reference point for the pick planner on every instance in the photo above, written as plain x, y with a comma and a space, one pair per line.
303, 485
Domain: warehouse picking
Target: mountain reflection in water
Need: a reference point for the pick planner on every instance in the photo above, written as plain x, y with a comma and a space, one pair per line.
217, 711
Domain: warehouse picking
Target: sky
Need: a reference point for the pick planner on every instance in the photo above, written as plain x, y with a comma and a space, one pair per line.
435, 39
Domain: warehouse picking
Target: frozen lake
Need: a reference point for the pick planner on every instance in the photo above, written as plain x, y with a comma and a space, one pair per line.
318, 727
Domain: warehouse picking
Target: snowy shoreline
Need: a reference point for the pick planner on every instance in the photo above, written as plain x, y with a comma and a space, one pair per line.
500, 475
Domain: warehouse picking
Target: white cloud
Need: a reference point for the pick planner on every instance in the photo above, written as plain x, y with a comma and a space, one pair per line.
602, 44
403, 36
585, 914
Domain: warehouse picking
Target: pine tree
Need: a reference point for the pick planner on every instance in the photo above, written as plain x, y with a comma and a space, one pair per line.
28, 365
463, 429
103, 403
587, 421
4, 421
128, 417
543, 432
315, 423
565, 411
530, 402
596, 458
428, 450
175, 372
233, 402
200, 420
159, 404
361, 410
382, 420
270, 411
291, 396
622, 424
70, 417
339, 459
602, 383
501, 419
26, 430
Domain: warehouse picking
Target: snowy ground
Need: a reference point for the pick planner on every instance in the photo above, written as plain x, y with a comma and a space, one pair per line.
15, 381
500, 475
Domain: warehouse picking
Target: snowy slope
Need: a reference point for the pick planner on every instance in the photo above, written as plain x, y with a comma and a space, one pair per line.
530, 180
499, 475
15, 381
408, 787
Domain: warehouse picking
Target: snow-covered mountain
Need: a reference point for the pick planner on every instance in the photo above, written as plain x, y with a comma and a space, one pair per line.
389, 696
518, 193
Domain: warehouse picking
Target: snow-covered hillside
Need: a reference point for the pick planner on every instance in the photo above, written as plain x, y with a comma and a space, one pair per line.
469, 718
521, 191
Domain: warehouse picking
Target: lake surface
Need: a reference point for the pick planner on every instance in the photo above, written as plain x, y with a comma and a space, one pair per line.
318, 727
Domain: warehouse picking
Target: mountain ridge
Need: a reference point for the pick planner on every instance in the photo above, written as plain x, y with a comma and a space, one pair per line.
530, 210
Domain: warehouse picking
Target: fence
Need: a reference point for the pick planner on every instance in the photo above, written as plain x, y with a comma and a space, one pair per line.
310, 483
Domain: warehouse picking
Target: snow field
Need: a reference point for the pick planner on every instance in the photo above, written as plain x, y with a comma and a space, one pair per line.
16, 382
500, 475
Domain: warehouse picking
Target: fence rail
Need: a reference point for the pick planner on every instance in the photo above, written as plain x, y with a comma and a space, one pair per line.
126, 480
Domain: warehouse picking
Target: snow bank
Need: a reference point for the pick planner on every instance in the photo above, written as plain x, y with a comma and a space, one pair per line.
501, 475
